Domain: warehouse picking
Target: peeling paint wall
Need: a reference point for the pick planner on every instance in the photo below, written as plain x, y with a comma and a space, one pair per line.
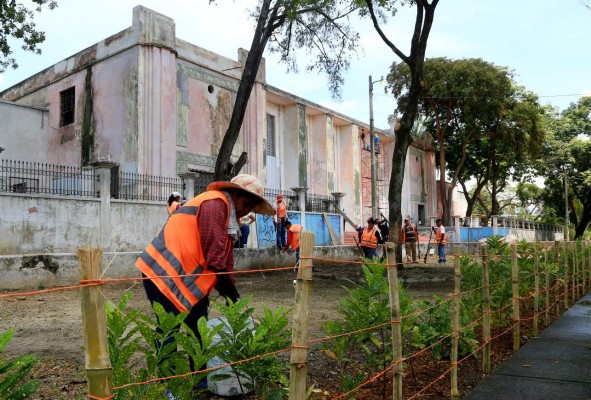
317, 135
350, 171
302, 146
34, 224
289, 147
115, 110
330, 155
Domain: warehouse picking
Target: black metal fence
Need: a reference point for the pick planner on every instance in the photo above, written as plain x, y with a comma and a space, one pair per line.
290, 197
203, 179
314, 202
132, 186
320, 203
42, 178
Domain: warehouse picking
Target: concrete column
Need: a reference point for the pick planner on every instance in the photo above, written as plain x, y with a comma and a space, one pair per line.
476, 221
456, 219
189, 184
103, 184
301, 192
432, 220
338, 197
495, 223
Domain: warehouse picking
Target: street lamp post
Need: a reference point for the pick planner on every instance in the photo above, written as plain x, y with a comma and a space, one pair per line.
372, 148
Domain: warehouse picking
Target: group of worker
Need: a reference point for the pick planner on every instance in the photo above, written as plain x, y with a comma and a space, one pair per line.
193, 253
377, 232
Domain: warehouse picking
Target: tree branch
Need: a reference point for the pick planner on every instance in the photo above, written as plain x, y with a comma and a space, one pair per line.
391, 45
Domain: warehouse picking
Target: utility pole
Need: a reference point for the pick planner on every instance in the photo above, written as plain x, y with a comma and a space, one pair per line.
372, 149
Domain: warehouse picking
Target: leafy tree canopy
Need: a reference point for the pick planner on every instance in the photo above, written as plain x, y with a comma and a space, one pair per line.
17, 22
567, 157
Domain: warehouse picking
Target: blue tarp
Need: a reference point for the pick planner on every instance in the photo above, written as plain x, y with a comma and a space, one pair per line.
315, 223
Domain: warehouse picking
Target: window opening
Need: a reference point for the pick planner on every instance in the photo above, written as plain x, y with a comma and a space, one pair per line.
271, 135
67, 98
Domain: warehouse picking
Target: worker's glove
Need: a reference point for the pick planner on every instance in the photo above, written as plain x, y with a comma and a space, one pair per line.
226, 288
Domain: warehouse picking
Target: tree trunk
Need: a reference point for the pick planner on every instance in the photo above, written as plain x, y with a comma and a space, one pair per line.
584, 222
402, 141
223, 167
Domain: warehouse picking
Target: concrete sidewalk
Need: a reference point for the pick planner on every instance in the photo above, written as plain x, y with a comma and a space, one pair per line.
557, 365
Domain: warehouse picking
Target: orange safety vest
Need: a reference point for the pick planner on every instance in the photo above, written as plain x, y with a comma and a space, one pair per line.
369, 239
172, 207
439, 237
281, 209
295, 230
177, 251
409, 232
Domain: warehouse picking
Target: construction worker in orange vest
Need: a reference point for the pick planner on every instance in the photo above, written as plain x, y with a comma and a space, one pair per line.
369, 239
293, 239
280, 219
410, 238
174, 202
440, 240
193, 253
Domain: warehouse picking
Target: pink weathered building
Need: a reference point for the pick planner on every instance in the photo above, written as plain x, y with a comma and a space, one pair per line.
152, 103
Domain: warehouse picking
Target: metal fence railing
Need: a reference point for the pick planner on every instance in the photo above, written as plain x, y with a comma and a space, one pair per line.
132, 186
203, 179
320, 203
314, 202
42, 178
289, 196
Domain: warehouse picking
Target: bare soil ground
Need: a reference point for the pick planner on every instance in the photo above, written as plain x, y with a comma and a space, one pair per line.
50, 326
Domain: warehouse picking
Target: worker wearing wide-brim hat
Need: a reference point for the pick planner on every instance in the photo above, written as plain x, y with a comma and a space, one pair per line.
196, 248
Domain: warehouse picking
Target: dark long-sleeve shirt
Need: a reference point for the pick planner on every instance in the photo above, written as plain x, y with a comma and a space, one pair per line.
213, 232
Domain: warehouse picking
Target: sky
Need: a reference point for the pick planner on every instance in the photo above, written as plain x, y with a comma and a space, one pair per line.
547, 43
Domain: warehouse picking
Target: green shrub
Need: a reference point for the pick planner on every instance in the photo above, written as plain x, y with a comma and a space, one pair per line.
435, 324
356, 348
13, 373
240, 342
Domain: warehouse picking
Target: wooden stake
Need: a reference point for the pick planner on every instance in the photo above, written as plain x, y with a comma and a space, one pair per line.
333, 236
299, 353
455, 328
97, 362
547, 285
396, 321
485, 312
575, 273
515, 281
583, 275
556, 278
566, 275
536, 288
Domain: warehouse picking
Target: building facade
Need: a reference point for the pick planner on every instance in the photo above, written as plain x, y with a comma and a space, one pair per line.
152, 103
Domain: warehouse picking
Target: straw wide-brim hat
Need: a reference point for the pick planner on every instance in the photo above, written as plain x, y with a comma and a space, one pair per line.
250, 184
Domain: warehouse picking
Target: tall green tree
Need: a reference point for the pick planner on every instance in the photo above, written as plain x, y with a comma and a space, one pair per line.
472, 107
516, 140
407, 105
459, 98
17, 22
567, 165
321, 27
